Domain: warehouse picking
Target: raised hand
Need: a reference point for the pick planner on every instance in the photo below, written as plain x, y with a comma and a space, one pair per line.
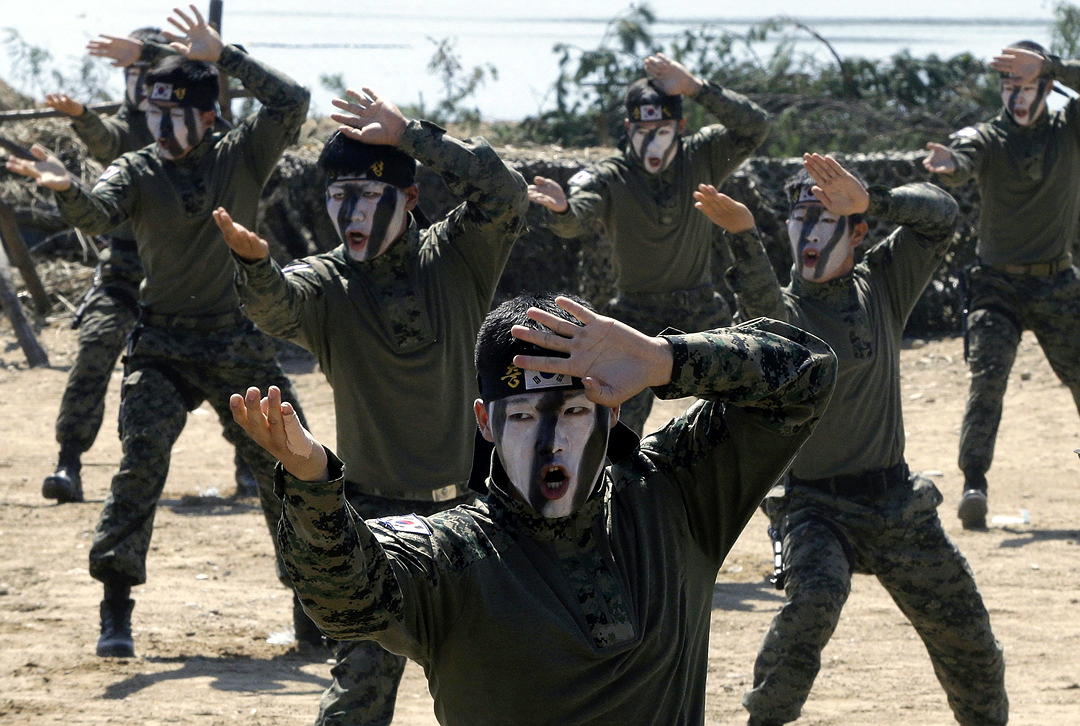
940, 159
614, 361
198, 41
121, 51
547, 193
836, 188
274, 425
65, 104
47, 170
369, 118
671, 76
1026, 65
724, 211
240, 239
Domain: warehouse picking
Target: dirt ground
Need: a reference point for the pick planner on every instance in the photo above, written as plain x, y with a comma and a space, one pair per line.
203, 620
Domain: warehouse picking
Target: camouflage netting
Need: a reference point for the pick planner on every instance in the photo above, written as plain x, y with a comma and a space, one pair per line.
293, 219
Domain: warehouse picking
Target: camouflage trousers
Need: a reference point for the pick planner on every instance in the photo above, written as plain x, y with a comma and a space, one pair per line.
107, 318
366, 676
898, 538
1003, 306
169, 372
689, 311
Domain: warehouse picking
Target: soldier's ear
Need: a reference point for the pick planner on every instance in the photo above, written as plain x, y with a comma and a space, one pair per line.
412, 197
858, 233
483, 421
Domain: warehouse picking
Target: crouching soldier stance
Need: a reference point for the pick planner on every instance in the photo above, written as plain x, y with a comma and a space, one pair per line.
522, 607
850, 502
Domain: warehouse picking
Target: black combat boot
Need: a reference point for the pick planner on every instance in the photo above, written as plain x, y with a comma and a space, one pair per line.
972, 509
116, 640
65, 484
758, 722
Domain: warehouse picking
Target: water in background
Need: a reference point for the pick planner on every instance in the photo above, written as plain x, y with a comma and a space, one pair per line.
389, 51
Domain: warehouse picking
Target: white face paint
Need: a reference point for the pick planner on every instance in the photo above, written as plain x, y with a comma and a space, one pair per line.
1025, 102
654, 143
133, 79
820, 242
369, 215
552, 446
177, 129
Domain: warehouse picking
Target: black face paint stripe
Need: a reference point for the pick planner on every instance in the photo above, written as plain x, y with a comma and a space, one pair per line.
192, 130
166, 129
813, 214
381, 219
547, 408
592, 458
345, 211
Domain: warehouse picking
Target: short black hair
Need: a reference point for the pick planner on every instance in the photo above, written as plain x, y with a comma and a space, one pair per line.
1028, 45
197, 79
496, 346
343, 156
801, 180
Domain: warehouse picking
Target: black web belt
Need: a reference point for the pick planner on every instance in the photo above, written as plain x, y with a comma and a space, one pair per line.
867, 484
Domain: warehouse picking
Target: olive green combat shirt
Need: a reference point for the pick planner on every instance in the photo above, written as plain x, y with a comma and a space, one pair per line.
862, 316
395, 335
600, 617
107, 137
1028, 179
189, 269
661, 242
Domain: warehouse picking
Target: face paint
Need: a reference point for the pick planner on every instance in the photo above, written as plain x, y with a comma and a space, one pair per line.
368, 215
1024, 102
653, 144
552, 446
134, 91
177, 129
820, 242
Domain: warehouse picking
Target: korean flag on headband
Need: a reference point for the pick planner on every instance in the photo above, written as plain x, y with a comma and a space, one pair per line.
161, 92
535, 380
651, 112
405, 523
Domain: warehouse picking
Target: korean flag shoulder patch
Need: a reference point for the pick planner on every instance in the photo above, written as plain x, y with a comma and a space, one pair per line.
968, 132
580, 178
409, 523
111, 171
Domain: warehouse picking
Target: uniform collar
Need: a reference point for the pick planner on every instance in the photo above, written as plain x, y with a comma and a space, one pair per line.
836, 290
398, 258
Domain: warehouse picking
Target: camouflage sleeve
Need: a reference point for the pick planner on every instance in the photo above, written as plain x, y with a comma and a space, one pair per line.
753, 279
281, 304
766, 384
357, 579
1065, 72
967, 147
495, 195
587, 206
101, 135
153, 53
746, 125
905, 261
107, 205
265, 135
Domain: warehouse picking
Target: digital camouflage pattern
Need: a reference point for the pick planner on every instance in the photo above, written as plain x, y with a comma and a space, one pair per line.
1030, 200
625, 582
1002, 307
193, 344
394, 337
171, 371
108, 316
891, 532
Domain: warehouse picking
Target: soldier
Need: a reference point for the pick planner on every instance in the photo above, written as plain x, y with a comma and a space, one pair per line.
850, 504
571, 593
640, 200
392, 316
108, 312
1026, 163
192, 342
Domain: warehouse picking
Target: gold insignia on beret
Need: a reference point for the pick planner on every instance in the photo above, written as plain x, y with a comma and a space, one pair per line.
377, 168
180, 93
512, 376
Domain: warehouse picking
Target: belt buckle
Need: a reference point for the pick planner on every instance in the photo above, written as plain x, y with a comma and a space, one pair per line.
444, 494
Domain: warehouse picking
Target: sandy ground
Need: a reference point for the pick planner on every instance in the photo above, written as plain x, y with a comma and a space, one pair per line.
203, 620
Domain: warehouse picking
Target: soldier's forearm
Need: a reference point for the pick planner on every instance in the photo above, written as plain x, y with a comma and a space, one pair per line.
80, 208
739, 114
1066, 72
927, 210
278, 93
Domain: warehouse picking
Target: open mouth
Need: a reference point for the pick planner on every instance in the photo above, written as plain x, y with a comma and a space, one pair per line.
555, 482
654, 162
810, 257
357, 240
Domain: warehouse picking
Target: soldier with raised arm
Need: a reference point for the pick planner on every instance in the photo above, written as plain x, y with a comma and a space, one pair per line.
1026, 163
849, 503
641, 201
